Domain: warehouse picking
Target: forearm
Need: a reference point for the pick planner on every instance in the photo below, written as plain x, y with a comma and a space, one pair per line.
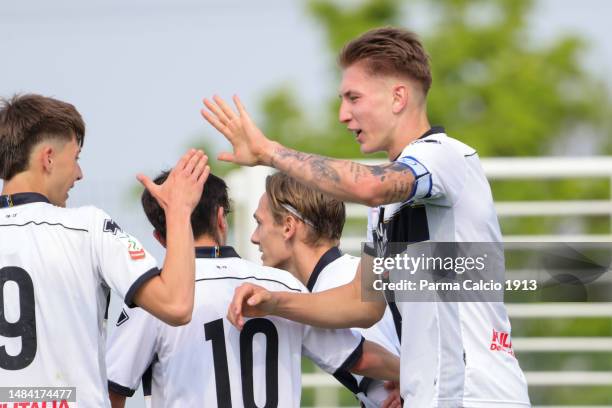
343, 179
169, 296
178, 274
117, 401
377, 362
314, 309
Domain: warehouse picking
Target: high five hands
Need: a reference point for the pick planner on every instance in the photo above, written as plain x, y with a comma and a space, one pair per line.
251, 147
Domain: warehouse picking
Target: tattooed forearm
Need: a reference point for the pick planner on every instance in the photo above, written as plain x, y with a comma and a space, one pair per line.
357, 170
322, 169
400, 191
283, 153
344, 179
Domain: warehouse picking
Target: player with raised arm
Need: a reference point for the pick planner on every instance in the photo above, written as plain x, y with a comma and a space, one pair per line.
298, 230
58, 264
208, 362
434, 189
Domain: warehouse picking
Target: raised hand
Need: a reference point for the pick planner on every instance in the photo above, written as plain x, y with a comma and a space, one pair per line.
250, 301
183, 187
251, 147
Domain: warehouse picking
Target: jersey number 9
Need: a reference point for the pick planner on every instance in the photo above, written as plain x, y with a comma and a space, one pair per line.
25, 326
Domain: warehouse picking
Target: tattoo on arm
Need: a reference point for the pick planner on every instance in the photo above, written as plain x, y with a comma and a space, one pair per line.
395, 175
321, 168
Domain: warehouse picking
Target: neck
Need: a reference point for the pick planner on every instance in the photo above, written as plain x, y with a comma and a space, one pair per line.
207, 241
410, 127
23, 183
306, 258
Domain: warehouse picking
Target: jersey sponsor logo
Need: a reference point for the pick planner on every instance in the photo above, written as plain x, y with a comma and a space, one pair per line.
38, 404
123, 317
501, 342
111, 226
135, 250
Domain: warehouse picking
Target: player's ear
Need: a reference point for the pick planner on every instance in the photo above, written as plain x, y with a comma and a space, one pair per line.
159, 238
222, 224
289, 227
401, 94
46, 156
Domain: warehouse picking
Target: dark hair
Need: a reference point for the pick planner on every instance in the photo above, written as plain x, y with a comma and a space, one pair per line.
25, 120
389, 51
204, 215
326, 214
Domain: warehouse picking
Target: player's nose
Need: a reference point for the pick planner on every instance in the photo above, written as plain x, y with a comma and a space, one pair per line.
79, 175
344, 113
255, 238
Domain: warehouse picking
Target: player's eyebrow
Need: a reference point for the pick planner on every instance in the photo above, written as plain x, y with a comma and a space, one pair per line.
347, 94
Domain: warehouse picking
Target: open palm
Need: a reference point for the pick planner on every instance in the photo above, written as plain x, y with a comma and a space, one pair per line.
249, 143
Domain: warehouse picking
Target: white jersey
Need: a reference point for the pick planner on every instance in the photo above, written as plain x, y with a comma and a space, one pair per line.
448, 356
56, 268
208, 362
335, 269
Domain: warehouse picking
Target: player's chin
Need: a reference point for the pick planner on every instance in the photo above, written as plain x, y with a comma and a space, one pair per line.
365, 148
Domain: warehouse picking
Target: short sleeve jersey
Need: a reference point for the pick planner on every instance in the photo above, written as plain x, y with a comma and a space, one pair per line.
447, 354
208, 362
57, 266
335, 269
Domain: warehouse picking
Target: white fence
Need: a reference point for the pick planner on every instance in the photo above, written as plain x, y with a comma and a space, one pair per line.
247, 185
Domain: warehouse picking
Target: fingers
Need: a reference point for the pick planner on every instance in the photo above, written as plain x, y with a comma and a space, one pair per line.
227, 110
204, 176
241, 110
146, 182
216, 110
227, 157
185, 159
390, 385
192, 163
234, 312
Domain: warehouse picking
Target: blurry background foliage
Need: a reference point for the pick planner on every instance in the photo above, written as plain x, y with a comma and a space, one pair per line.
499, 91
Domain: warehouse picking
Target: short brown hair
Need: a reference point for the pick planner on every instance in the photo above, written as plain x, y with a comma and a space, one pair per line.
390, 51
326, 214
25, 120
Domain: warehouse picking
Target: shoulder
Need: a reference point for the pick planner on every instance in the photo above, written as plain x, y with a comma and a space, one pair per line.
438, 143
346, 263
278, 277
248, 272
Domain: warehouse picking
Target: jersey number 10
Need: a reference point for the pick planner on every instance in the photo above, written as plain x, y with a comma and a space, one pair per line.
214, 332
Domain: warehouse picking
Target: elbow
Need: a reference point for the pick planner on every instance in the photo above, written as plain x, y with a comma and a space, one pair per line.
372, 194
371, 314
179, 315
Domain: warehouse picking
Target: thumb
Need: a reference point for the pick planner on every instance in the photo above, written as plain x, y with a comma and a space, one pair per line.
227, 157
254, 300
146, 182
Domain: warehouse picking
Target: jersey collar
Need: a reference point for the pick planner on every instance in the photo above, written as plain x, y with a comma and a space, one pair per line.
432, 131
216, 252
11, 200
328, 257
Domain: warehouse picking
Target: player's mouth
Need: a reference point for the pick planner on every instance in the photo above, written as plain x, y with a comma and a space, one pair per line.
357, 133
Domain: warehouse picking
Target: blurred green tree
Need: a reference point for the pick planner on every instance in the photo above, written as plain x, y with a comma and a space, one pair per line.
493, 87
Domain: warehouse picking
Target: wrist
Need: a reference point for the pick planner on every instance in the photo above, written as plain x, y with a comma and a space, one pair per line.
178, 212
269, 151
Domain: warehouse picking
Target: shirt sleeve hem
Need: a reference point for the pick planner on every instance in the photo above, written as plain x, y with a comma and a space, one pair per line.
352, 358
129, 297
120, 389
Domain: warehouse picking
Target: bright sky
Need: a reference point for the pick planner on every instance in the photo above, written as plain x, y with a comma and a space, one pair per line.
137, 71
